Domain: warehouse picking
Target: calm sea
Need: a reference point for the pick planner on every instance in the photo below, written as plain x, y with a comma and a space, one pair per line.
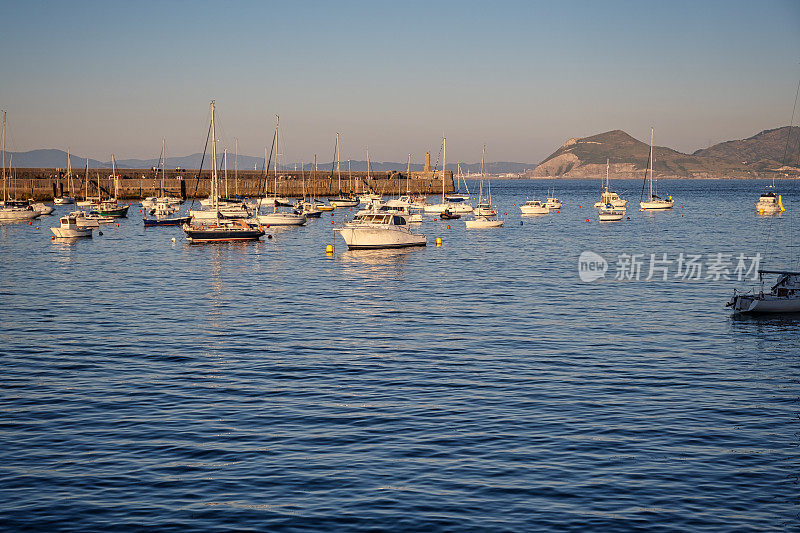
481, 385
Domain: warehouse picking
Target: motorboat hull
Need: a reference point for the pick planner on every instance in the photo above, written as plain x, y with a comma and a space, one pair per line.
656, 205
480, 223
72, 233
452, 207
767, 304
610, 217
528, 210
343, 202
116, 212
372, 238
179, 221
223, 234
282, 219
16, 215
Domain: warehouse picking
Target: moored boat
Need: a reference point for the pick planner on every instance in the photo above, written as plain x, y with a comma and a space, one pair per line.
380, 230
70, 228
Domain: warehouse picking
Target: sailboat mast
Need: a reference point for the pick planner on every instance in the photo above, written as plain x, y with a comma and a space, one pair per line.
69, 172
277, 155
86, 182
114, 172
444, 164
338, 164
225, 166
408, 177
163, 162
214, 199
606, 175
650, 163
236, 168
5, 196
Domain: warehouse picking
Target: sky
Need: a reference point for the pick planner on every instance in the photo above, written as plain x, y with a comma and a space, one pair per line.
107, 77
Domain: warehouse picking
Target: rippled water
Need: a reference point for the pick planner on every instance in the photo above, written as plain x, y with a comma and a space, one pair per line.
477, 385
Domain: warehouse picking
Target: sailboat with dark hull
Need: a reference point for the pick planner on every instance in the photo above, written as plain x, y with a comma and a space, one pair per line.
220, 229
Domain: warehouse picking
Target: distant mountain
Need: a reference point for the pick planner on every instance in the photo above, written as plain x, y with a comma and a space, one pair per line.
47, 159
58, 159
765, 150
586, 157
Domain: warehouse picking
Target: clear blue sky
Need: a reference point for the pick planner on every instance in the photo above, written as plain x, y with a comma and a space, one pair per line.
522, 77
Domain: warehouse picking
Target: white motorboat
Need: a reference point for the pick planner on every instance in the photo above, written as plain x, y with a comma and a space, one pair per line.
534, 207
609, 213
769, 204
783, 297
69, 228
42, 209
90, 220
654, 202
16, 211
552, 202
63, 200
379, 230
480, 222
281, 218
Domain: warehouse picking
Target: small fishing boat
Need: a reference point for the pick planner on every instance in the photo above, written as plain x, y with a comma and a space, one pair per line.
69, 228
379, 230
449, 215
609, 213
534, 207
783, 297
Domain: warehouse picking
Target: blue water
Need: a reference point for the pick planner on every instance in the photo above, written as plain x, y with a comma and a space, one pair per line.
156, 385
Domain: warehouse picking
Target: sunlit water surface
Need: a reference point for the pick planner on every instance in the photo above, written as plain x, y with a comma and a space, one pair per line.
478, 385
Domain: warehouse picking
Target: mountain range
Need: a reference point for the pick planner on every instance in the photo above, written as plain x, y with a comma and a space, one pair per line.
763, 154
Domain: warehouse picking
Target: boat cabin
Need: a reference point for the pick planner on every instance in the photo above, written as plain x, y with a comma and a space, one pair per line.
380, 218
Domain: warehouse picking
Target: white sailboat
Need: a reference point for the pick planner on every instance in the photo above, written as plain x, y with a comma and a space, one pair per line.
342, 200
783, 297
66, 199
170, 201
654, 202
608, 196
485, 213
276, 217
454, 208
12, 211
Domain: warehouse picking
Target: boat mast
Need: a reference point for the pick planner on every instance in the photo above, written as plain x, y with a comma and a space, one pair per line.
606, 188
483, 173
163, 163
650, 164
367, 165
225, 166
114, 172
5, 196
408, 178
444, 164
214, 199
338, 164
86, 182
236, 168
277, 155
69, 172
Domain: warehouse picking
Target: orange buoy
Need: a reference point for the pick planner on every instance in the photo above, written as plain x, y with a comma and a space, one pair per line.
579, 207
434, 219
448, 226
53, 237
117, 224
587, 220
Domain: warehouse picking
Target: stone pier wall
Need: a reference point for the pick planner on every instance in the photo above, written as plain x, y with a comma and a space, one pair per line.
39, 183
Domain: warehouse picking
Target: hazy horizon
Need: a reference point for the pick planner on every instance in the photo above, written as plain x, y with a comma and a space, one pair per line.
521, 78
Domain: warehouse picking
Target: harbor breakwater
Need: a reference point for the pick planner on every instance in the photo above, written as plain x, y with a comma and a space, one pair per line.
134, 184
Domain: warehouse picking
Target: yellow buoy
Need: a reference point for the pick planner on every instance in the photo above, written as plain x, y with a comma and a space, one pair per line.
438, 241
329, 249
780, 203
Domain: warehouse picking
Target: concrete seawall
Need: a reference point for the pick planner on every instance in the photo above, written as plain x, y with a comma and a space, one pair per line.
40, 183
